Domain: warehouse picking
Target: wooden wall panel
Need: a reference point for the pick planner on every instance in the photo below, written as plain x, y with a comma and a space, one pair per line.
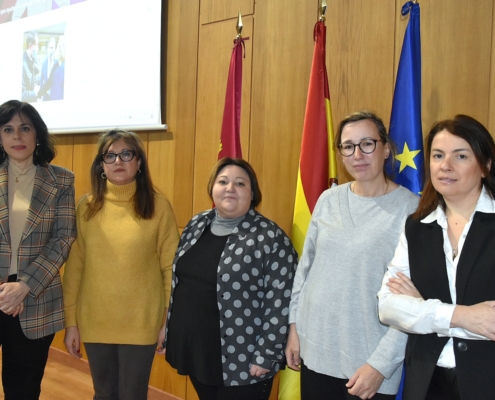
215, 49
491, 102
219, 10
182, 71
283, 49
456, 51
360, 56
65, 146
84, 152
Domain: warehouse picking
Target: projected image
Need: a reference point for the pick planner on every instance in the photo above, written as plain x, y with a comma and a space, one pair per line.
43, 64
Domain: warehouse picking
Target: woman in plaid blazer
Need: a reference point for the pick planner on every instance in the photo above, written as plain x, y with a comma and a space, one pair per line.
37, 228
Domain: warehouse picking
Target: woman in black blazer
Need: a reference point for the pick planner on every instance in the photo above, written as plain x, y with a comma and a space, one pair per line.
440, 285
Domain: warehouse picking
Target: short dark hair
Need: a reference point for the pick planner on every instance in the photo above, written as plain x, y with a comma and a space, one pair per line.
239, 162
31, 38
483, 146
382, 133
144, 201
45, 150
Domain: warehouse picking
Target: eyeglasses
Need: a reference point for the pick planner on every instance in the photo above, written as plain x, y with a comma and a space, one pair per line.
125, 156
367, 146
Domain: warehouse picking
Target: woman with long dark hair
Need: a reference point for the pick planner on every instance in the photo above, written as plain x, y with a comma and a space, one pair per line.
118, 277
440, 285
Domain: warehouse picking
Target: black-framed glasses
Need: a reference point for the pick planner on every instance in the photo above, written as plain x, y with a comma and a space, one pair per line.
125, 156
366, 146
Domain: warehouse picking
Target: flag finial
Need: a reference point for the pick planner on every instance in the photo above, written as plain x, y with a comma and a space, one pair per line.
323, 10
239, 25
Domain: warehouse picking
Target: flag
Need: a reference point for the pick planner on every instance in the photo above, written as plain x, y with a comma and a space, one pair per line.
405, 121
230, 138
317, 169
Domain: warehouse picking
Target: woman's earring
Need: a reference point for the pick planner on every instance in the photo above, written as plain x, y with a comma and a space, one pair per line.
138, 172
103, 176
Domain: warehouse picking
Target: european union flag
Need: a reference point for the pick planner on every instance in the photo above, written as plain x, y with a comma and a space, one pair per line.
405, 122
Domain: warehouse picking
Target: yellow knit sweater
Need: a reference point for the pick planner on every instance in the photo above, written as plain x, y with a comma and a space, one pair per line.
117, 279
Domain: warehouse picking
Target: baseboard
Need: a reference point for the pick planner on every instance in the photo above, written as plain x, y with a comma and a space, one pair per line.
82, 365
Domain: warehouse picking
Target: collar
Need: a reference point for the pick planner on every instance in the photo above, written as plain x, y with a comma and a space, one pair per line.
485, 204
241, 229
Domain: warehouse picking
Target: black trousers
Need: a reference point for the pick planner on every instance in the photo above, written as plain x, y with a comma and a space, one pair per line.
316, 386
23, 360
443, 385
254, 391
120, 371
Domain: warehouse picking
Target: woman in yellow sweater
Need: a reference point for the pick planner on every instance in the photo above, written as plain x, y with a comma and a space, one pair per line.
118, 277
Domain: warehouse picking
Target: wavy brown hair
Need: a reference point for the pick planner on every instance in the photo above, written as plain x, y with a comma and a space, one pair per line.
483, 146
143, 199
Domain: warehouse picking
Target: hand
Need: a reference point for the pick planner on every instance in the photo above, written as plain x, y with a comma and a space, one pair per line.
72, 341
292, 349
12, 294
160, 341
478, 318
256, 370
365, 382
18, 310
403, 285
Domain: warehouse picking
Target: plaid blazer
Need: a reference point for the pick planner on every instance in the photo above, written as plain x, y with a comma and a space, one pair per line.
45, 243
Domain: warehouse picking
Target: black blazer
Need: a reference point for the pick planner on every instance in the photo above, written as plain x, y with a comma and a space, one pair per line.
475, 283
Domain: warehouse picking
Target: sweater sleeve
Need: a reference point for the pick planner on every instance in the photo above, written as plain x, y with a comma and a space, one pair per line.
74, 268
279, 267
305, 262
167, 241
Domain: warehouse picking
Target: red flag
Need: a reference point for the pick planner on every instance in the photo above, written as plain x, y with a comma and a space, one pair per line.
230, 139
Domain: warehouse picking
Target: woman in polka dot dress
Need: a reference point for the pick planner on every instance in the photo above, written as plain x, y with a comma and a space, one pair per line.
231, 285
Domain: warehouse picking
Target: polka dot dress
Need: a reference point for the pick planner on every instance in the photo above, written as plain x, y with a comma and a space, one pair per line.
254, 281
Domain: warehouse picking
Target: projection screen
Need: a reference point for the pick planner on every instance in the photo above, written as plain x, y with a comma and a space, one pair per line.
86, 65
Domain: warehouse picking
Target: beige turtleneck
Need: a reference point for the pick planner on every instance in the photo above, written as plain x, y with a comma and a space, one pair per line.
21, 184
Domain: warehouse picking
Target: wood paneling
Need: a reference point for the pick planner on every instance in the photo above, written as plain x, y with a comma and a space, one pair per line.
219, 10
182, 71
283, 48
456, 52
84, 153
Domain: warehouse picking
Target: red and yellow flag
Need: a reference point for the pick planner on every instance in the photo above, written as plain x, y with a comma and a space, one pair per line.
317, 169
230, 139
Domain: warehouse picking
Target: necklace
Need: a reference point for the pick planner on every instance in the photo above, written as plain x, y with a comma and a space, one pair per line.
21, 174
453, 242
384, 193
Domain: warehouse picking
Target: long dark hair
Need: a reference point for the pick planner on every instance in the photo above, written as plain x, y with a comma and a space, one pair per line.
45, 149
483, 146
144, 201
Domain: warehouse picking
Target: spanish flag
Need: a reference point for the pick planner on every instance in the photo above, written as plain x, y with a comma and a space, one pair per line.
317, 168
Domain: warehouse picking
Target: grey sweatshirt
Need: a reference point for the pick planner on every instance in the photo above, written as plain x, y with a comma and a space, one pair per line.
349, 243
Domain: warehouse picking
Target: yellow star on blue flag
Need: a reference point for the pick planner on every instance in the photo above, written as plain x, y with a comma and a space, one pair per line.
406, 158
405, 121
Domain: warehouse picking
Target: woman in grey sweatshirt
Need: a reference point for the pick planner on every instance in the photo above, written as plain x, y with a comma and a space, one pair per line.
335, 331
